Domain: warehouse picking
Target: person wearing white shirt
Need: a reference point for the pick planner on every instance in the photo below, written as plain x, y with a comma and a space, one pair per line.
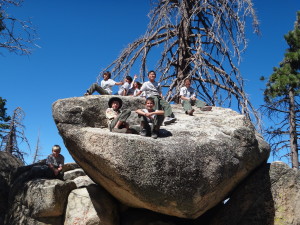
153, 89
105, 87
188, 99
124, 89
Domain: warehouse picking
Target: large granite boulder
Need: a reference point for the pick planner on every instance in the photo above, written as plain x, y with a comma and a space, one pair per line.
196, 163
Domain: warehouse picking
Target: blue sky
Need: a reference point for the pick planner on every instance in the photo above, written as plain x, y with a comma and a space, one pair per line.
80, 38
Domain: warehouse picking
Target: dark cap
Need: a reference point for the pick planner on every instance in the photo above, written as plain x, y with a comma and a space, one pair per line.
115, 99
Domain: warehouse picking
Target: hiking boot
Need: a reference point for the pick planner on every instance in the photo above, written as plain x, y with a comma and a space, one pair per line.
86, 93
117, 130
169, 120
206, 108
191, 112
143, 132
154, 134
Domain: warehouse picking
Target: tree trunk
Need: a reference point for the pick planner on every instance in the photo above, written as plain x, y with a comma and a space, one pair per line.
292, 131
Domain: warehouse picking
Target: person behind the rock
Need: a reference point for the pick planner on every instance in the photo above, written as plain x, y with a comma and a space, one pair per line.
153, 89
148, 116
55, 162
105, 87
116, 117
188, 99
124, 89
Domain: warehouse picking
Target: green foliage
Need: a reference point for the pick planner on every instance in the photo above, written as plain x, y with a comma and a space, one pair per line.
282, 98
4, 119
287, 75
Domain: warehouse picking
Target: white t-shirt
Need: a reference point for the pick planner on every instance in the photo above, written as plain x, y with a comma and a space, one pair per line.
137, 91
187, 92
125, 86
107, 85
152, 116
151, 89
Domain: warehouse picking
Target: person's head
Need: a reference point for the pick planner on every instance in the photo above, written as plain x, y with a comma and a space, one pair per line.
115, 103
128, 79
187, 82
151, 75
56, 150
106, 75
150, 103
137, 85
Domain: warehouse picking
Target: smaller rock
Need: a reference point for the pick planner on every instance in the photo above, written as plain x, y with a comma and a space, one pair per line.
91, 205
72, 174
83, 181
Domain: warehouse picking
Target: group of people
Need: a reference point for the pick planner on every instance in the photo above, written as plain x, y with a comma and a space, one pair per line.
156, 111
128, 87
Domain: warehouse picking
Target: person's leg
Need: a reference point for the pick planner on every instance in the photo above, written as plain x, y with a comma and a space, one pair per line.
166, 107
199, 103
120, 121
157, 122
145, 127
96, 87
187, 106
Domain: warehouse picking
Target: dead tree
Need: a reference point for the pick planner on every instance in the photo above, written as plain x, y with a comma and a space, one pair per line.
16, 35
15, 132
199, 39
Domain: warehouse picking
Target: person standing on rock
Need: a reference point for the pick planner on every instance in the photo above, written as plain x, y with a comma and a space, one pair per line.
116, 117
188, 99
150, 116
55, 162
153, 89
105, 87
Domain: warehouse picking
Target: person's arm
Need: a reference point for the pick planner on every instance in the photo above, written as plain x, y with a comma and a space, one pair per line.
140, 112
109, 113
134, 78
157, 112
184, 98
139, 93
51, 166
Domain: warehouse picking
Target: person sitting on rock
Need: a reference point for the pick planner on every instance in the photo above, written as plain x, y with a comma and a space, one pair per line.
150, 116
153, 89
51, 168
55, 162
116, 117
123, 90
105, 87
188, 99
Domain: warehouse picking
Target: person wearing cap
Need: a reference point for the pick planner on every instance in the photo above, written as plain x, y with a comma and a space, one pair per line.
116, 117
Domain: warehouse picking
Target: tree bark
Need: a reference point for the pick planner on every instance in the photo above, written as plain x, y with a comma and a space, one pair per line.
293, 131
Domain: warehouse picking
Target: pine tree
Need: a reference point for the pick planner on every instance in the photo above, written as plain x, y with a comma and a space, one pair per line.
4, 119
282, 100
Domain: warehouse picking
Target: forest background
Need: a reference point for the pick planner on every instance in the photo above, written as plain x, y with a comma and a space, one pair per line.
76, 41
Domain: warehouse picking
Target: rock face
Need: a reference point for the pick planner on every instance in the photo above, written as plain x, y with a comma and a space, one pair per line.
91, 205
39, 202
8, 163
270, 196
194, 166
